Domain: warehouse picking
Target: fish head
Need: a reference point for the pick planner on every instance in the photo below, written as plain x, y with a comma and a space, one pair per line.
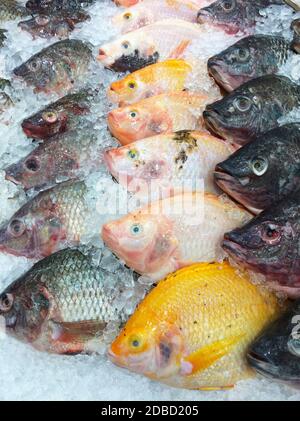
126, 91
276, 352
268, 243
149, 348
137, 121
229, 15
237, 117
132, 18
46, 123
144, 241
126, 3
34, 231
254, 175
44, 26
138, 164
34, 171
236, 65
38, 6
295, 26
25, 305
38, 71
128, 53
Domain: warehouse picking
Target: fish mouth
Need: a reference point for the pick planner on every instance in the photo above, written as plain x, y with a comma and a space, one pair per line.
220, 76
234, 249
12, 178
203, 16
211, 119
109, 238
104, 58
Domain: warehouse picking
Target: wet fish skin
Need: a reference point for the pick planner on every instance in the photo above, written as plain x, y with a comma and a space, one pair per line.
249, 58
269, 245
276, 353
59, 26
169, 38
192, 331
74, 154
5, 99
51, 7
52, 220
63, 303
167, 162
172, 233
295, 26
60, 116
11, 9
160, 114
235, 15
264, 171
58, 67
253, 108
2, 37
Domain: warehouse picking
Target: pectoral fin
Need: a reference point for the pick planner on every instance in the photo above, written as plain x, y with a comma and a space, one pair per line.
180, 49
208, 355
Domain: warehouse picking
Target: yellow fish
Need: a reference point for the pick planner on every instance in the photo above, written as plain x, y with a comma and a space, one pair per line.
164, 77
192, 331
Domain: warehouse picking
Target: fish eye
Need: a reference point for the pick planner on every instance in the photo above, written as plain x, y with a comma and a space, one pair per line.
135, 342
32, 164
34, 65
271, 234
243, 54
136, 229
42, 20
259, 166
133, 114
227, 5
17, 228
126, 45
50, 116
133, 154
127, 16
131, 85
6, 302
242, 104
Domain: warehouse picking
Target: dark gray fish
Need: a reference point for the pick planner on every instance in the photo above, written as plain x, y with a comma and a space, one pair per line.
60, 116
64, 303
296, 41
235, 15
269, 245
70, 155
276, 352
51, 7
253, 108
249, 58
43, 26
265, 170
58, 67
11, 9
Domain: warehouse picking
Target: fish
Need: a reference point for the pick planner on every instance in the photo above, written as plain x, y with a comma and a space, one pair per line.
129, 3
169, 38
51, 221
249, 58
164, 77
264, 171
2, 37
169, 162
63, 303
171, 233
252, 109
160, 114
268, 245
11, 10
193, 330
56, 68
141, 14
52, 7
234, 16
43, 26
60, 116
295, 26
71, 155
275, 353
5, 100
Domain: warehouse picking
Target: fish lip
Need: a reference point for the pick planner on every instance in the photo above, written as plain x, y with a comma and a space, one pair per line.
203, 16
215, 70
210, 118
233, 249
108, 236
11, 178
